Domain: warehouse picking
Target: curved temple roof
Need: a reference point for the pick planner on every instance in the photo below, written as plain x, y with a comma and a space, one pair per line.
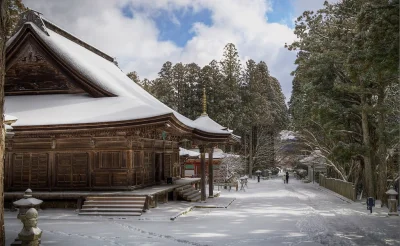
128, 100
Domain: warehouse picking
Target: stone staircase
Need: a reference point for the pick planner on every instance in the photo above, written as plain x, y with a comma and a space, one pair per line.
113, 205
188, 193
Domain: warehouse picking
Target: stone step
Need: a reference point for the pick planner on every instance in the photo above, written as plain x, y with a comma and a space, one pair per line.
197, 193
182, 188
123, 214
196, 198
125, 210
189, 193
113, 206
114, 202
116, 198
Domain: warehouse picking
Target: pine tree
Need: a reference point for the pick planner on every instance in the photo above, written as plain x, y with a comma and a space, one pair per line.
163, 86
191, 100
179, 85
213, 77
347, 63
134, 77
229, 100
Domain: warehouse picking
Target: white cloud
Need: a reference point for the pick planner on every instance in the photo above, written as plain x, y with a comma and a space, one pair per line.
135, 41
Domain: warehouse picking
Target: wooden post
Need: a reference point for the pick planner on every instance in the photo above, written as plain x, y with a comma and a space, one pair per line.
155, 197
203, 172
210, 173
79, 203
147, 203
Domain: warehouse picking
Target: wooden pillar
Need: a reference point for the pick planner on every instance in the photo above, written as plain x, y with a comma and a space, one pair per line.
155, 200
129, 160
203, 172
210, 173
50, 164
160, 167
146, 205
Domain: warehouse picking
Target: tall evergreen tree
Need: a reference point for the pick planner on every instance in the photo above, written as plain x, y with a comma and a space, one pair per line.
213, 77
229, 100
163, 87
179, 87
347, 63
134, 77
191, 100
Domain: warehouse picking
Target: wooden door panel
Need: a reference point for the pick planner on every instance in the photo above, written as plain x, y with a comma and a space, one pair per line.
29, 170
72, 169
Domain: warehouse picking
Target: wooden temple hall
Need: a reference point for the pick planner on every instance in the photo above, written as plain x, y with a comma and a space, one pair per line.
83, 127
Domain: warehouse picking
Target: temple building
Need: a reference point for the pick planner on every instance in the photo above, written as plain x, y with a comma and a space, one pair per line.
82, 123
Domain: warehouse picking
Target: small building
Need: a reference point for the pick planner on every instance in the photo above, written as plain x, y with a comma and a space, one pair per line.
316, 164
193, 166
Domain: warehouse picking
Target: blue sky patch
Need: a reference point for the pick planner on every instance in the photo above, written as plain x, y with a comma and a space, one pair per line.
127, 11
282, 11
174, 26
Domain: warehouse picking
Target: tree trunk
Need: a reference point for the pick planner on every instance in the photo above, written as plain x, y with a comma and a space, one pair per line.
271, 149
245, 151
3, 35
368, 172
251, 153
382, 172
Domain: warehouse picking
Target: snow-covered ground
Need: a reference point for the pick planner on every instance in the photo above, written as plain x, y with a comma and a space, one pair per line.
266, 213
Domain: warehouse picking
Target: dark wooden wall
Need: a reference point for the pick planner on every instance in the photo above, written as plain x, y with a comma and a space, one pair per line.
86, 163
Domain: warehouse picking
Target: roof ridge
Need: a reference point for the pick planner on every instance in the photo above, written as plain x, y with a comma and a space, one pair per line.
41, 22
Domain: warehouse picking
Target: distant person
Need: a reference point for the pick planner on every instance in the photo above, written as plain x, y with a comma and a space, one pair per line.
287, 177
284, 179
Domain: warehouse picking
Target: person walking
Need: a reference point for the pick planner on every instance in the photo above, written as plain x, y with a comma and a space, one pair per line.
287, 177
284, 179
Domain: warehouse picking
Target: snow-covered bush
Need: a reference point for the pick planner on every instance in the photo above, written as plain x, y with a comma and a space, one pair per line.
230, 168
301, 173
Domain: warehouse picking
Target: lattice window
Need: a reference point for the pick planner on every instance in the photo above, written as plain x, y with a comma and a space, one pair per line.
72, 169
30, 170
111, 160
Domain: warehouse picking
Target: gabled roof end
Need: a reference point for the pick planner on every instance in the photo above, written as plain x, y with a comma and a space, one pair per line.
34, 17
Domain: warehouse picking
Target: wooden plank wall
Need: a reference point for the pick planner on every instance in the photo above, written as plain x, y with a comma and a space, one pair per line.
86, 163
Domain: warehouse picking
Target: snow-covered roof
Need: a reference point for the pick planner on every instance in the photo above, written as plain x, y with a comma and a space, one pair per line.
287, 135
76, 108
204, 121
314, 158
9, 119
217, 153
186, 152
131, 101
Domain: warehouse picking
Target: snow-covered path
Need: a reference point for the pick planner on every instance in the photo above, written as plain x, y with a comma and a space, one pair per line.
267, 213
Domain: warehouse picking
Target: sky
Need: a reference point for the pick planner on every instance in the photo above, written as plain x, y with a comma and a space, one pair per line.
144, 34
